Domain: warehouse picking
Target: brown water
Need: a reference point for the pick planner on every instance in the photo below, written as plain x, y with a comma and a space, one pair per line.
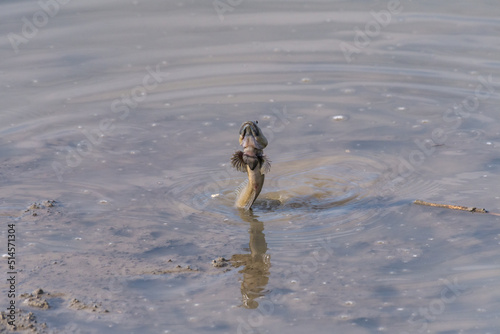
127, 114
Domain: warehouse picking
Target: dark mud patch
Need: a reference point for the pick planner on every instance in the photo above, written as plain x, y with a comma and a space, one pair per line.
41, 301
38, 299
92, 307
176, 270
46, 207
220, 262
25, 322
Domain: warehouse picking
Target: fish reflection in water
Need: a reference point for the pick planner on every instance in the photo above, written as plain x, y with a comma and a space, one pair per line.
255, 265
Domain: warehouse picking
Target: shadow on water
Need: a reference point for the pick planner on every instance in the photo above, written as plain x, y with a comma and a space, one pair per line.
255, 265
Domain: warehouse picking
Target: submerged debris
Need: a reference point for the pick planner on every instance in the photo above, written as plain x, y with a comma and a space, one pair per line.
24, 322
448, 206
93, 307
49, 203
34, 207
178, 269
35, 299
220, 262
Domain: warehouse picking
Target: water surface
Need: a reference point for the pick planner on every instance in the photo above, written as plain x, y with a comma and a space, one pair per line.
127, 115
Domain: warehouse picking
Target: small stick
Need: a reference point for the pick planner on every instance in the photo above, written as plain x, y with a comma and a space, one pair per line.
454, 207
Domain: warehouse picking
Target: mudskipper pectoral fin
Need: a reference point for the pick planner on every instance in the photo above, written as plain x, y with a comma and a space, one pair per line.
265, 164
237, 161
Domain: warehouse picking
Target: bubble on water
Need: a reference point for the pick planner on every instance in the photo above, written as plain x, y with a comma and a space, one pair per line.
401, 108
339, 118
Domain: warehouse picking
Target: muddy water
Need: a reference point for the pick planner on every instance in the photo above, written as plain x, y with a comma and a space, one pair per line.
127, 114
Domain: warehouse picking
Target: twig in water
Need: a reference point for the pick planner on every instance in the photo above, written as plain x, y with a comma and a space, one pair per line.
455, 207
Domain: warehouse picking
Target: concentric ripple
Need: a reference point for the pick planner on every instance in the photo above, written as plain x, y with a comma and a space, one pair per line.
302, 200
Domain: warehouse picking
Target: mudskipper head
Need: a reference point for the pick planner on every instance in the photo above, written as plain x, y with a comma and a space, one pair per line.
253, 141
251, 136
